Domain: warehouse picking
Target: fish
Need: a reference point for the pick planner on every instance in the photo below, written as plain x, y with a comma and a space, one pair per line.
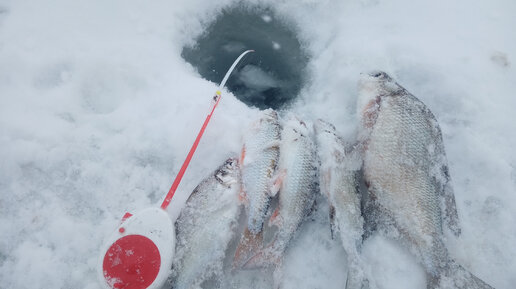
296, 181
205, 227
409, 194
259, 158
339, 172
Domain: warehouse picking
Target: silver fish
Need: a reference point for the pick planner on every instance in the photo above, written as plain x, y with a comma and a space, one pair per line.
258, 160
205, 227
296, 182
339, 169
406, 172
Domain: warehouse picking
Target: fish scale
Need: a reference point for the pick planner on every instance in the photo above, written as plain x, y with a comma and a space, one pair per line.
296, 179
339, 166
297, 188
404, 166
206, 226
385, 150
259, 158
261, 153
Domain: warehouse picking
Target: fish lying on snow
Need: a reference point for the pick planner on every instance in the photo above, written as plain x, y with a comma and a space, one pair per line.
405, 170
339, 169
206, 226
259, 158
296, 182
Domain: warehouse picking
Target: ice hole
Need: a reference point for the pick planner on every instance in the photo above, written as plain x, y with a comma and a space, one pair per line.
269, 78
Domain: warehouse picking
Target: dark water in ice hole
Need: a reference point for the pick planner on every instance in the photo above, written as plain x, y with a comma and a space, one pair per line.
269, 78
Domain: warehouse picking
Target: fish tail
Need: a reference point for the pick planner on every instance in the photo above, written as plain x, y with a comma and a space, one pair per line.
353, 282
265, 257
356, 278
456, 276
249, 245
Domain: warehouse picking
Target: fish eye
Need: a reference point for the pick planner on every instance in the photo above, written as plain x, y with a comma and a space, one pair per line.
229, 163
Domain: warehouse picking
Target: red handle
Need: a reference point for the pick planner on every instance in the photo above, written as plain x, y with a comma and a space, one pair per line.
179, 176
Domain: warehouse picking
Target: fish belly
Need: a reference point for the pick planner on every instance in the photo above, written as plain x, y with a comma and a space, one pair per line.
397, 170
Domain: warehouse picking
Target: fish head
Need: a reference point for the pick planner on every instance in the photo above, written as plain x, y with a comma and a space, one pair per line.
373, 88
323, 126
332, 149
323, 129
267, 118
325, 135
229, 173
294, 129
372, 85
375, 77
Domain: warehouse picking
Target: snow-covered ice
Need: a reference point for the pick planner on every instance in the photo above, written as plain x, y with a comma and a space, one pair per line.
98, 111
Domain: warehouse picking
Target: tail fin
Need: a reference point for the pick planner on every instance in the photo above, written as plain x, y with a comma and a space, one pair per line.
356, 283
356, 278
264, 258
248, 247
457, 277
268, 256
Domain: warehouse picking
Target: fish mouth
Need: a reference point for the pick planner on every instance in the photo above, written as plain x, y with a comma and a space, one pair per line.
374, 76
378, 74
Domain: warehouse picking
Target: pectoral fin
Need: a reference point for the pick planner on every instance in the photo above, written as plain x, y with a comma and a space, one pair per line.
275, 218
276, 182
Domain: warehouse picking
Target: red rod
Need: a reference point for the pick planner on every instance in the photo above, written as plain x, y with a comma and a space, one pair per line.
179, 176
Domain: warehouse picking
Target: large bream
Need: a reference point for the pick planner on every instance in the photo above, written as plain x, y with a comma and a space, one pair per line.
406, 172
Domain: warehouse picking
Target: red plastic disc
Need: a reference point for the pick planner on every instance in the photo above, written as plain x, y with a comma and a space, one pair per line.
132, 262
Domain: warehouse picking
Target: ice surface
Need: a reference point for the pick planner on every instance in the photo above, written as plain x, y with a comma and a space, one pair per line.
98, 111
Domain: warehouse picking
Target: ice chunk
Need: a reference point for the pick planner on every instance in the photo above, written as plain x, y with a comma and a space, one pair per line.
254, 77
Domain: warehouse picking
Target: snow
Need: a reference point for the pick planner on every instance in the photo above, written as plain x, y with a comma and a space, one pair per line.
98, 111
